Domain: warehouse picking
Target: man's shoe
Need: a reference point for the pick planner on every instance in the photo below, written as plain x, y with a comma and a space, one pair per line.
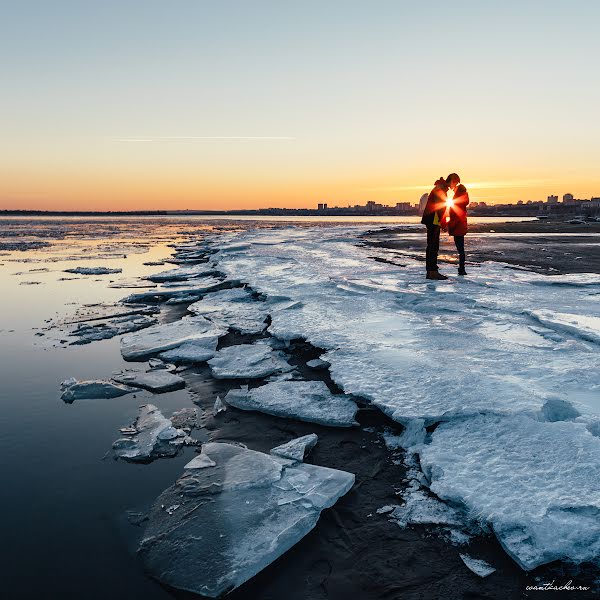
435, 275
462, 271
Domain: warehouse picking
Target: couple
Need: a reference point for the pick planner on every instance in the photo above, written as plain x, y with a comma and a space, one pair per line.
444, 211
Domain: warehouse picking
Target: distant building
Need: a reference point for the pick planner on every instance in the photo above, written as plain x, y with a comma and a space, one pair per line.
520, 203
552, 199
423, 202
403, 205
322, 206
568, 199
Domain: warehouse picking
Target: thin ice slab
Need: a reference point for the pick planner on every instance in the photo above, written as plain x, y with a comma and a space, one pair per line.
170, 335
298, 448
536, 483
309, 401
182, 273
237, 511
191, 352
157, 381
92, 271
247, 361
153, 436
72, 389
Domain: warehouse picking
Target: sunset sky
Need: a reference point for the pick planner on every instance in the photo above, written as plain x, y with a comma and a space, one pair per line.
205, 104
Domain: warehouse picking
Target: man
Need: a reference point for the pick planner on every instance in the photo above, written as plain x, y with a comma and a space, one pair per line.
433, 218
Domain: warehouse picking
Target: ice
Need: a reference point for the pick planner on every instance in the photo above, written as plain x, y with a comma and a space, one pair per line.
184, 273
501, 344
182, 299
157, 381
239, 511
296, 449
191, 352
73, 389
93, 332
247, 361
586, 327
537, 484
318, 363
477, 565
160, 338
219, 406
92, 271
234, 308
185, 418
154, 437
309, 401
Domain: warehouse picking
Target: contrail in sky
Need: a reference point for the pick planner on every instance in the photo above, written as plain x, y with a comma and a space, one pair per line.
201, 138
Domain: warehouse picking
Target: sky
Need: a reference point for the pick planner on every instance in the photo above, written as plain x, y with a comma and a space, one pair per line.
204, 104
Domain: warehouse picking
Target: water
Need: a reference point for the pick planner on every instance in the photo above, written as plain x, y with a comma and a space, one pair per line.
63, 500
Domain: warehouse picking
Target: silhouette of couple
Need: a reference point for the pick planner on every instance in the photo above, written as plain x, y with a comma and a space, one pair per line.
445, 211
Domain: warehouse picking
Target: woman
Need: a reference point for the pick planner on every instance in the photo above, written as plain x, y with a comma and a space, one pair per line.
457, 217
433, 218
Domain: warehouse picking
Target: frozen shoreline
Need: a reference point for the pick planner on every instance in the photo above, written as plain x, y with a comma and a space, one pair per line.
273, 281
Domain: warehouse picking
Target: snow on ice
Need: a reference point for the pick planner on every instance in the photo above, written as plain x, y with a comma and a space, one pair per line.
502, 349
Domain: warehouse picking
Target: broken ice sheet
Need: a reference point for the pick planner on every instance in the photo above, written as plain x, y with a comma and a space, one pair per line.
477, 565
297, 448
247, 361
309, 401
235, 308
239, 511
73, 389
157, 381
92, 270
155, 437
166, 336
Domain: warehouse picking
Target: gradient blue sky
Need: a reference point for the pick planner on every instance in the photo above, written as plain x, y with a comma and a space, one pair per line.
204, 104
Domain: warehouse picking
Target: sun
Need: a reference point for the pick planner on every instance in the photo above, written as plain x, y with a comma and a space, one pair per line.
450, 199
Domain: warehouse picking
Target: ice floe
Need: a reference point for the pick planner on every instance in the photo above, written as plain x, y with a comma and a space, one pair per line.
157, 381
247, 361
73, 389
239, 510
184, 273
191, 352
298, 448
160, 338
154, 436
309, 401
235, 308
92, 271
477, 565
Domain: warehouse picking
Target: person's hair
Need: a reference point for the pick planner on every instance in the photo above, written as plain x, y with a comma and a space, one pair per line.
451, 177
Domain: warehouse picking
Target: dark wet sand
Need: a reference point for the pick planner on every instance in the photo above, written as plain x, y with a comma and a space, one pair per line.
540, 246
354, 553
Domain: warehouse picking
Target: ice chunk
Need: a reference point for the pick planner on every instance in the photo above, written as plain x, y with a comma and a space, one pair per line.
184, 273
587, 327
247, 361
93, 332
185, 418
84, 390
154, 437
318, 363
309, 401
536, 483
163, 337
478, 566
92, 270
183, 299
191, 352
298, 448
239, 511
219, 406
235, 308
157, 381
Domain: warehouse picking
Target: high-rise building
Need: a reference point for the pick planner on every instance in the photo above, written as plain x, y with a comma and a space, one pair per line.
568, 199
552, 199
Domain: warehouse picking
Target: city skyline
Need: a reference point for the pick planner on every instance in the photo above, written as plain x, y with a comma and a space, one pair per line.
245, 105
